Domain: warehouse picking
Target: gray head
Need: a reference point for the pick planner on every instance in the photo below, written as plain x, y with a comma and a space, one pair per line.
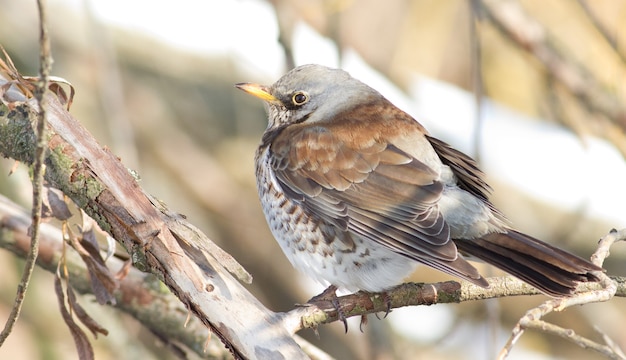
311, 93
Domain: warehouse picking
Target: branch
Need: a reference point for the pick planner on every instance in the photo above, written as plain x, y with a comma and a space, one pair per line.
139, 294
324, 311
478, 87
159, 241
602, 29
532, 318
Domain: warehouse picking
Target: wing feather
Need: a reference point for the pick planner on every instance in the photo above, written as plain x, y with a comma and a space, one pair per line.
374, 190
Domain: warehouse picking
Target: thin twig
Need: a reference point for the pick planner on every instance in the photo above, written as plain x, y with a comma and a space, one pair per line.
45, 61
532, 318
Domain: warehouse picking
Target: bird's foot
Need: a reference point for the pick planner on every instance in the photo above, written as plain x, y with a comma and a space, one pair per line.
387, 300
330, 295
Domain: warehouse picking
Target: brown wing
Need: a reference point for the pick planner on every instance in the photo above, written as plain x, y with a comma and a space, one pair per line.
374, 190
470, 178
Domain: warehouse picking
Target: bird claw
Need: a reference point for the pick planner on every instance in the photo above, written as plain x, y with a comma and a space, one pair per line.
330, 295
363, 322
387, 301
340, 314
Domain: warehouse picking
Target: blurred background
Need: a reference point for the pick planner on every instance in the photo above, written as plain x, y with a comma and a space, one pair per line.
533, 89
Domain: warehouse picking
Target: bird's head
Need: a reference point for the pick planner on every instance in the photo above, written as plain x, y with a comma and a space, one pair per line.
311, 93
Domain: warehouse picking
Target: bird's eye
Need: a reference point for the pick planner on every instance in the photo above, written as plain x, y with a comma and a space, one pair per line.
300, 98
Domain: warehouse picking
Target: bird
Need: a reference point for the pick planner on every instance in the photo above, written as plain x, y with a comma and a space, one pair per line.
358, 194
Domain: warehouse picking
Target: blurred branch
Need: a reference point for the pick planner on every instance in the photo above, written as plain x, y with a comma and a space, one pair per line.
603, 30
161, 312
477, 75
509, 17
110, 89
285, 19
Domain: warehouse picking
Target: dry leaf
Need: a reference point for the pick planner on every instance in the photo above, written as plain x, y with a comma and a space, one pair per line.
82, 315
103, 282
26, 84
54, 204
85, 351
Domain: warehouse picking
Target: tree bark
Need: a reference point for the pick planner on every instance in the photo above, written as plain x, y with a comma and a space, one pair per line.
159, 241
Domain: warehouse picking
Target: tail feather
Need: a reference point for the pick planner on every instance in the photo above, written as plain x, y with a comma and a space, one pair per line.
551, 270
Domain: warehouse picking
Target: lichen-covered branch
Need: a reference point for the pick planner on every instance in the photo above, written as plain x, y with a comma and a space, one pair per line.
139, 294
412, 294
98, 182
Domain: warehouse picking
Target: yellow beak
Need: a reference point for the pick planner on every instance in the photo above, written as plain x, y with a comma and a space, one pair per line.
260, 91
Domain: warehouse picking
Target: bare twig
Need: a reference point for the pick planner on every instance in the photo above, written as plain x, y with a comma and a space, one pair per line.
45, 61
532, 318
605, 244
